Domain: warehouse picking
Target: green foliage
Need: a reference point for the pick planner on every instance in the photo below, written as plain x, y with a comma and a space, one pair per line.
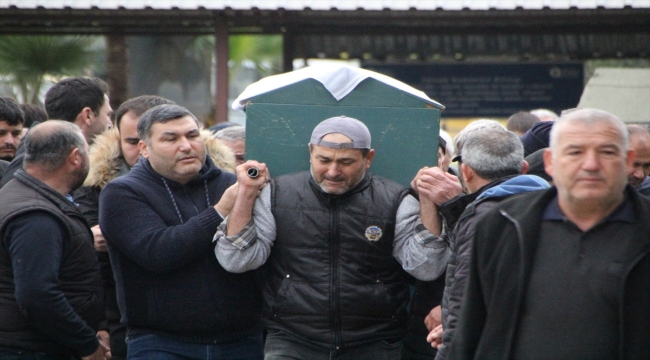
27, 60
265, 51
262, 51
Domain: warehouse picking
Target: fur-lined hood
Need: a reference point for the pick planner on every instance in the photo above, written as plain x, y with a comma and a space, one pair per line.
106, 161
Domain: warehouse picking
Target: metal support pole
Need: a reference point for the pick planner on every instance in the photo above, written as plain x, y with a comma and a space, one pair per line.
221, 73
288, 46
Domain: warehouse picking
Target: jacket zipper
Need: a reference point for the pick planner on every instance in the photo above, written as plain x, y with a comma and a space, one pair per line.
621, 309
335, 314
517, 309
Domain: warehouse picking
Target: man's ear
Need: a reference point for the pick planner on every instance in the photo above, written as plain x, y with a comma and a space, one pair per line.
369, 157
86, 115
524, 168
311, 148
548, 162
468, 173
143, 148
75, 158
629, 161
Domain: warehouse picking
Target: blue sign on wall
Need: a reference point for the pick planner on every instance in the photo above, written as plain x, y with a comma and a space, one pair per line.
493, 90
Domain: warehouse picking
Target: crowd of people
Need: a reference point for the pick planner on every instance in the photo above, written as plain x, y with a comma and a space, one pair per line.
137, 234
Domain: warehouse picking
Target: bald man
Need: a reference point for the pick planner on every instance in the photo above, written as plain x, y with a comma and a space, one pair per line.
48, 272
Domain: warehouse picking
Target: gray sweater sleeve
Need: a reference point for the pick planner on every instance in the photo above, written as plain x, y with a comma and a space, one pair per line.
420, 253
248, 249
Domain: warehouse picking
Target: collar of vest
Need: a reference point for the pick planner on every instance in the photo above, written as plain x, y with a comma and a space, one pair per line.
40, 187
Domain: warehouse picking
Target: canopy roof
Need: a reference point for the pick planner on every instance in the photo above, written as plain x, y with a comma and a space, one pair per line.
342, 5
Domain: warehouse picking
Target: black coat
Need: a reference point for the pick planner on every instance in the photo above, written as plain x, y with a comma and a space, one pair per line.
328, 280
501, 266
41, 319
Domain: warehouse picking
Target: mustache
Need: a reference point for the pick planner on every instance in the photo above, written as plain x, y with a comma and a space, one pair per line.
335, 178
190, 155
8, 146
592, 176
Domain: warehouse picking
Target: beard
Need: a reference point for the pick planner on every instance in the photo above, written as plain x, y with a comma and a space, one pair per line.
8, 157
78, 176
341, 190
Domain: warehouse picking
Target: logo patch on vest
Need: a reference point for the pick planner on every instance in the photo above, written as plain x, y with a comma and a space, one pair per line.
374, 233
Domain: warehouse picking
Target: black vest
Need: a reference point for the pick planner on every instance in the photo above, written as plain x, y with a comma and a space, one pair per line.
332, 277
79, 274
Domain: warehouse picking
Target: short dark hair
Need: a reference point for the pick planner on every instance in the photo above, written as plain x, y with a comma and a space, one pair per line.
521, 121
160, 114
49, 149
10, 111
66, 99
33, 113
138, 106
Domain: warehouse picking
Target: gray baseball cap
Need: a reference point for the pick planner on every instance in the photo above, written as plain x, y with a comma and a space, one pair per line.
352, 128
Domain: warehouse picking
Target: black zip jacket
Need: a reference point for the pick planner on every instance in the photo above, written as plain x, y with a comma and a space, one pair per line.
500, 268
327, 281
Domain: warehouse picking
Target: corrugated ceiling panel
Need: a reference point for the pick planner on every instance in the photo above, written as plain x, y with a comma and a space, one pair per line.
343, 5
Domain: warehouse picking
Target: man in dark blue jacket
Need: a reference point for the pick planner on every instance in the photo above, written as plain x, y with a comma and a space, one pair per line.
158, 221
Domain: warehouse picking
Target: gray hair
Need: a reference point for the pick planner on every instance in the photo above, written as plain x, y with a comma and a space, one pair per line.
50, 145
161, 114
460, 138
545, 114
521, 121
589, 117
231, 133
493, 153
638, 131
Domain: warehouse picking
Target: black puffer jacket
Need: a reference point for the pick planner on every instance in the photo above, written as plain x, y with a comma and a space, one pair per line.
329, 279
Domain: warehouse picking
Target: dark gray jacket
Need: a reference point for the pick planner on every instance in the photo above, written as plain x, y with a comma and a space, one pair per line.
3, 166
460, 243
328, 280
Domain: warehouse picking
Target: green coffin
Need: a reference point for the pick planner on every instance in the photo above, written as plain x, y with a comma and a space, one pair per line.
404, 128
